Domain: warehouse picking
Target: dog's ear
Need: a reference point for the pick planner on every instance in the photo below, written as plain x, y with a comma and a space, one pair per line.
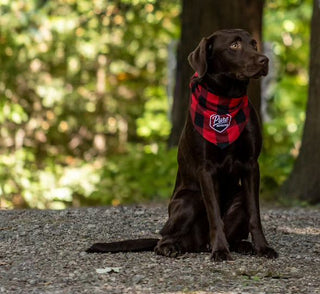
198, 58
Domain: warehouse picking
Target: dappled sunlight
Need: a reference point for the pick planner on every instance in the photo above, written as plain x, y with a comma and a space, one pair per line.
92, 81
80, 80
299, 231
287, 30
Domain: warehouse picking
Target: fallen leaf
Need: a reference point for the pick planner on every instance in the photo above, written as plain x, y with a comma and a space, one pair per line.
108, 270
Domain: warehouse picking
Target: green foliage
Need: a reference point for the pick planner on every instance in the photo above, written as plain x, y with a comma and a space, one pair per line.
154, 122
78, 81
145, 173
83, 102
287, 29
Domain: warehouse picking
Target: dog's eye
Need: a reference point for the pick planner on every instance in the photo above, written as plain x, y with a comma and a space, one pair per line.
254, 45
235, 45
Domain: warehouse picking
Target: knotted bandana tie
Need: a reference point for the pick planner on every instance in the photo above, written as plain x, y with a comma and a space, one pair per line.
220, 120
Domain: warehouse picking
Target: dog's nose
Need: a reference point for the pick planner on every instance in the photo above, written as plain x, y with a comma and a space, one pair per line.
263, 60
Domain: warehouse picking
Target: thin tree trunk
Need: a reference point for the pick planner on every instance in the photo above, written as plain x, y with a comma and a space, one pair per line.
201, 18
304, 181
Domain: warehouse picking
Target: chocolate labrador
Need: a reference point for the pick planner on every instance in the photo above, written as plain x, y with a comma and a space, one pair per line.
215, 203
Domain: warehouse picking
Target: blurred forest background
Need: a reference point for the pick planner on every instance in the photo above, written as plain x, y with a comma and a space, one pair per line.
86, 95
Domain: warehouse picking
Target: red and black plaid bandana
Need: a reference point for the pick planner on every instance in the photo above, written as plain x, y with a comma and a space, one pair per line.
220, 120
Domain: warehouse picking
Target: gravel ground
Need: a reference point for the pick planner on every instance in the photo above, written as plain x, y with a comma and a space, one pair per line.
43, 252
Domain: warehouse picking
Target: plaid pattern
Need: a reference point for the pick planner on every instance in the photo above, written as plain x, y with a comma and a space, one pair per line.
220, 120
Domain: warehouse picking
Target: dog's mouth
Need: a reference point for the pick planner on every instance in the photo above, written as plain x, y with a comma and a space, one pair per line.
263, 72
248, 74
259, 74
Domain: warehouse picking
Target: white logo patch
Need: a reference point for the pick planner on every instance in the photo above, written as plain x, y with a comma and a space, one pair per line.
220, 123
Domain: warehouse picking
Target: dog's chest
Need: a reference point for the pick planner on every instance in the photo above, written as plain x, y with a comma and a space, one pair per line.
233, 160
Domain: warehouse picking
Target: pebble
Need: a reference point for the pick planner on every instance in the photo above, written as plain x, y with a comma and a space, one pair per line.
44, 252
137, 279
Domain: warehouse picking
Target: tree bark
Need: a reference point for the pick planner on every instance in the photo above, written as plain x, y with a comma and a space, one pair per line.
304, 181
200, 18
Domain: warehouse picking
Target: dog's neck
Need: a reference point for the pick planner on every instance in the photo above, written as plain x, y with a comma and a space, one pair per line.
224, 84
219, 118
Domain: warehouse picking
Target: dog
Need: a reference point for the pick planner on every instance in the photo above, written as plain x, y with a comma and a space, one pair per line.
215, 203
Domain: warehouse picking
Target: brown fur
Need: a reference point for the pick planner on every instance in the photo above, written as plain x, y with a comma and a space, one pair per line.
215, 203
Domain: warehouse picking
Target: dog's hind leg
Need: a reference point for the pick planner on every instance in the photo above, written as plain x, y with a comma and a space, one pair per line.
185, 230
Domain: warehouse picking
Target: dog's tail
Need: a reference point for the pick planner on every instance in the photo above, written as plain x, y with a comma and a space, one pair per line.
124, 246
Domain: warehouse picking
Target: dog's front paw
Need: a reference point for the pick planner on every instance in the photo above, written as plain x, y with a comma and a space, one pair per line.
221, 255
267, 252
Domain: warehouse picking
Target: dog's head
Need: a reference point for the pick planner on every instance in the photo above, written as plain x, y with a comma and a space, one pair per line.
233, 52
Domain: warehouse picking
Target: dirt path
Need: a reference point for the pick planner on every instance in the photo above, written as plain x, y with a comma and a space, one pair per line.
43, 252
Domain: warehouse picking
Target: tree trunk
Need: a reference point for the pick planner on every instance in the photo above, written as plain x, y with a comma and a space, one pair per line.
304, 181
200, 18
